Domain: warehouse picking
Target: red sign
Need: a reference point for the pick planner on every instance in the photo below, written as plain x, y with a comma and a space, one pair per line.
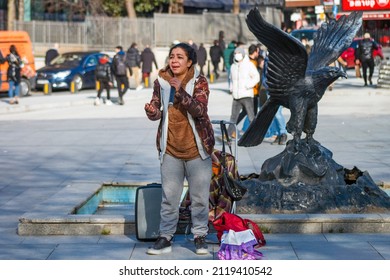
365, 5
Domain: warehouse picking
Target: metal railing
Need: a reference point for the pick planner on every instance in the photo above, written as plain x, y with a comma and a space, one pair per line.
161, 30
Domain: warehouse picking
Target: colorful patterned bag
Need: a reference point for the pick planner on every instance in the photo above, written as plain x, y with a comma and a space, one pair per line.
239, 246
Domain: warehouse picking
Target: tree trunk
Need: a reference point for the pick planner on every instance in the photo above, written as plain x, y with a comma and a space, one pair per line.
11, 14
130, 9
21, 10
236, 7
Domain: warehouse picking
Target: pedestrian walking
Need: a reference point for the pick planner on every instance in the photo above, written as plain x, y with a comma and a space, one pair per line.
202, 58
227, 54
244, 77
104, 78
215, 55
222, 45
365, 56
147, 60
119, 69
133, 61
253, 53
185, 141
15, 66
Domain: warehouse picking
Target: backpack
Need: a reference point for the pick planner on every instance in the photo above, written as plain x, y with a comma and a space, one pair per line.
228, 221
120, 65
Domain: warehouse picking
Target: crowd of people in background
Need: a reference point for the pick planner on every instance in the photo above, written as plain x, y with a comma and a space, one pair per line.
220, 57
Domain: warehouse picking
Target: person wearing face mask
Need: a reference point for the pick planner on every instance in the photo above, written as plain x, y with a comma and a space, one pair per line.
185, 141
244, 77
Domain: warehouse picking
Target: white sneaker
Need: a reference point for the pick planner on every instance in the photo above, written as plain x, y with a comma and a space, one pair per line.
97, 101
139, 87
108, 102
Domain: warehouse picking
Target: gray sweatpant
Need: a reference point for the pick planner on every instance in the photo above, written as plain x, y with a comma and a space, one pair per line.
173, 173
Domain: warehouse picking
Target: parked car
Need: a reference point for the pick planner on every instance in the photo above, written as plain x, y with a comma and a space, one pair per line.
308, 33
77, 67
349, 54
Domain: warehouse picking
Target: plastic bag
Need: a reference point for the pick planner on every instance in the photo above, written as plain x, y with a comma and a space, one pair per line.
239, 246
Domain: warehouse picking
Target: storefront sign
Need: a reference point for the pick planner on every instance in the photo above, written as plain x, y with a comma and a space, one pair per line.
365, 5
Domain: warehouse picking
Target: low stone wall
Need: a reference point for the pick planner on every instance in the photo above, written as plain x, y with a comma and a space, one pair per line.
384, 75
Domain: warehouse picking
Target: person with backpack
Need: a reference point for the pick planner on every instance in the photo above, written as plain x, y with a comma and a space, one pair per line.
104, 77
119, 69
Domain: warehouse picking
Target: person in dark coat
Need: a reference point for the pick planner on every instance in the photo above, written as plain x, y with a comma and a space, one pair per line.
15, 66
222, 45
133, 61
51, 54
202, 57
103, 75
365, 57
216, 54
147, 60
119, 71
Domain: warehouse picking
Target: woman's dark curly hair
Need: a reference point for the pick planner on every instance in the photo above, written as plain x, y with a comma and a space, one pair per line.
190, 52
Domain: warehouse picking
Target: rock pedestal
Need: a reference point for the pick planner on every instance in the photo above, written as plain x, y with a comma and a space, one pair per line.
308, 180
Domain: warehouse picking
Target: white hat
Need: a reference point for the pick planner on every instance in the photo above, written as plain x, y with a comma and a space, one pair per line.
240, 50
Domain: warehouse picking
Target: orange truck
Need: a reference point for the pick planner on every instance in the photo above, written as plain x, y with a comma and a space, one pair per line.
22, 42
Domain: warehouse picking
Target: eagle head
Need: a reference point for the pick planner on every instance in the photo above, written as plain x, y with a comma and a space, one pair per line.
327, 75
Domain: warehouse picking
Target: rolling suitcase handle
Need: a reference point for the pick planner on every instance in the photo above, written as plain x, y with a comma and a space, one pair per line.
223, 123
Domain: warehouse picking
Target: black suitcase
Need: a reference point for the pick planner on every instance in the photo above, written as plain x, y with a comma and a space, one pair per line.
147, 211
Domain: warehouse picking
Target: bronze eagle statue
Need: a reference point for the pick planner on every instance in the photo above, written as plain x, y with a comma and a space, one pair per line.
295, 79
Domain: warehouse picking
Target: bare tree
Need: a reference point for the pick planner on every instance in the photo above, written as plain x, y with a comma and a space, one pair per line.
130, 9
236, 7
21, 10
11, 16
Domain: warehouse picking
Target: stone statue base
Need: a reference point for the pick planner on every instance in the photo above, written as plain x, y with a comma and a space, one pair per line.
310, 181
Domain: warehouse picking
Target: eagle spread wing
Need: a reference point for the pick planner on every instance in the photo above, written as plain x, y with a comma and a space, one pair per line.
332, 38
287, 56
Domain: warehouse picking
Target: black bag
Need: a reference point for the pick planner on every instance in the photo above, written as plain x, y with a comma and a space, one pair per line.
120, 65
234, 187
